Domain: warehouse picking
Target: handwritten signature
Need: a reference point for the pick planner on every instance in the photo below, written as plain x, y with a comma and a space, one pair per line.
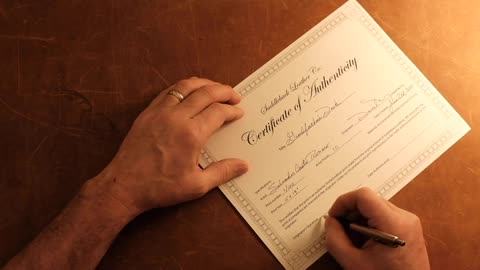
389, 100
322, 113
276, 185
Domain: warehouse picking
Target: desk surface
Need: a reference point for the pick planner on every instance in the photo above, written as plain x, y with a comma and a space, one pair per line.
74, 75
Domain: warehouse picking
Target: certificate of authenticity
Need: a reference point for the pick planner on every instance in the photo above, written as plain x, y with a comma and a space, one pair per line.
340, 108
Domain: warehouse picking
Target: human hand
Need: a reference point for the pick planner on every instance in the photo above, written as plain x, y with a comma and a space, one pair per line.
382, 215
157, 163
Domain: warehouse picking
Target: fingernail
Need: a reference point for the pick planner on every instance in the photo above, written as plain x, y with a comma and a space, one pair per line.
243, 168
327, 222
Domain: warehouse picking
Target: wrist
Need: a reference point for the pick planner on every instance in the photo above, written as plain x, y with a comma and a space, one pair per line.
105, 193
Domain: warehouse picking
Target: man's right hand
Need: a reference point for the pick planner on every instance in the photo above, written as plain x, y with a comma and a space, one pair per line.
381, 215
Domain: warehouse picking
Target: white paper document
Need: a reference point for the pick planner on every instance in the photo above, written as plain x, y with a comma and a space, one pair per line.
340, 108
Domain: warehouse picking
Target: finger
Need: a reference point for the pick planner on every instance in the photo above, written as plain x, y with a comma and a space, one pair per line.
185, 87
214, 116
220, 172
392, 206
363, 200
208, 94
339, 245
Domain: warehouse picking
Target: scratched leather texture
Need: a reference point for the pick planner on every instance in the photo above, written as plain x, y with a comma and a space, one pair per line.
75, 74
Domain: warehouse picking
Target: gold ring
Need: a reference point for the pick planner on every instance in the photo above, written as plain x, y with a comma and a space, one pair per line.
176, 94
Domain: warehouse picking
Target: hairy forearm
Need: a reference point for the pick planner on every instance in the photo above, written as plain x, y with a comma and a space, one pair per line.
80, 235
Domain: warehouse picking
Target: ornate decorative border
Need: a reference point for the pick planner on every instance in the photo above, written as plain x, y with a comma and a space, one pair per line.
398, 176
290, 55
404, 62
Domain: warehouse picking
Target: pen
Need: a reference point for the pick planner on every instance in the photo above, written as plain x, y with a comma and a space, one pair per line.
377, 235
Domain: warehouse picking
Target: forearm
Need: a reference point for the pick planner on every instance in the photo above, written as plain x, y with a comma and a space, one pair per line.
80, 235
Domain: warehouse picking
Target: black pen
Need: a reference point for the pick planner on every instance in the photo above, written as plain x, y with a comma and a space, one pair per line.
377, 235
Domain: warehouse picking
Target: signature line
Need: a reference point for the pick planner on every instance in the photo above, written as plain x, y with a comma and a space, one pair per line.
348, 141
414, 139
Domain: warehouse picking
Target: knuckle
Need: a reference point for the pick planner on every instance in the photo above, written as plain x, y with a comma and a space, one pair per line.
410, 221
189, 134
414, 219
220, 108
182, 84
210, 93
225, 172
231, 92
341, 198
364, 192
363, 189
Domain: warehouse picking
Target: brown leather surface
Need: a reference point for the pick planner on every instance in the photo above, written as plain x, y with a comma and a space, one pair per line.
74, 75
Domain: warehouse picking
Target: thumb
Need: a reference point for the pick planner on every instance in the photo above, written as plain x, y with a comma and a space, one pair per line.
222, 171
339, 245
